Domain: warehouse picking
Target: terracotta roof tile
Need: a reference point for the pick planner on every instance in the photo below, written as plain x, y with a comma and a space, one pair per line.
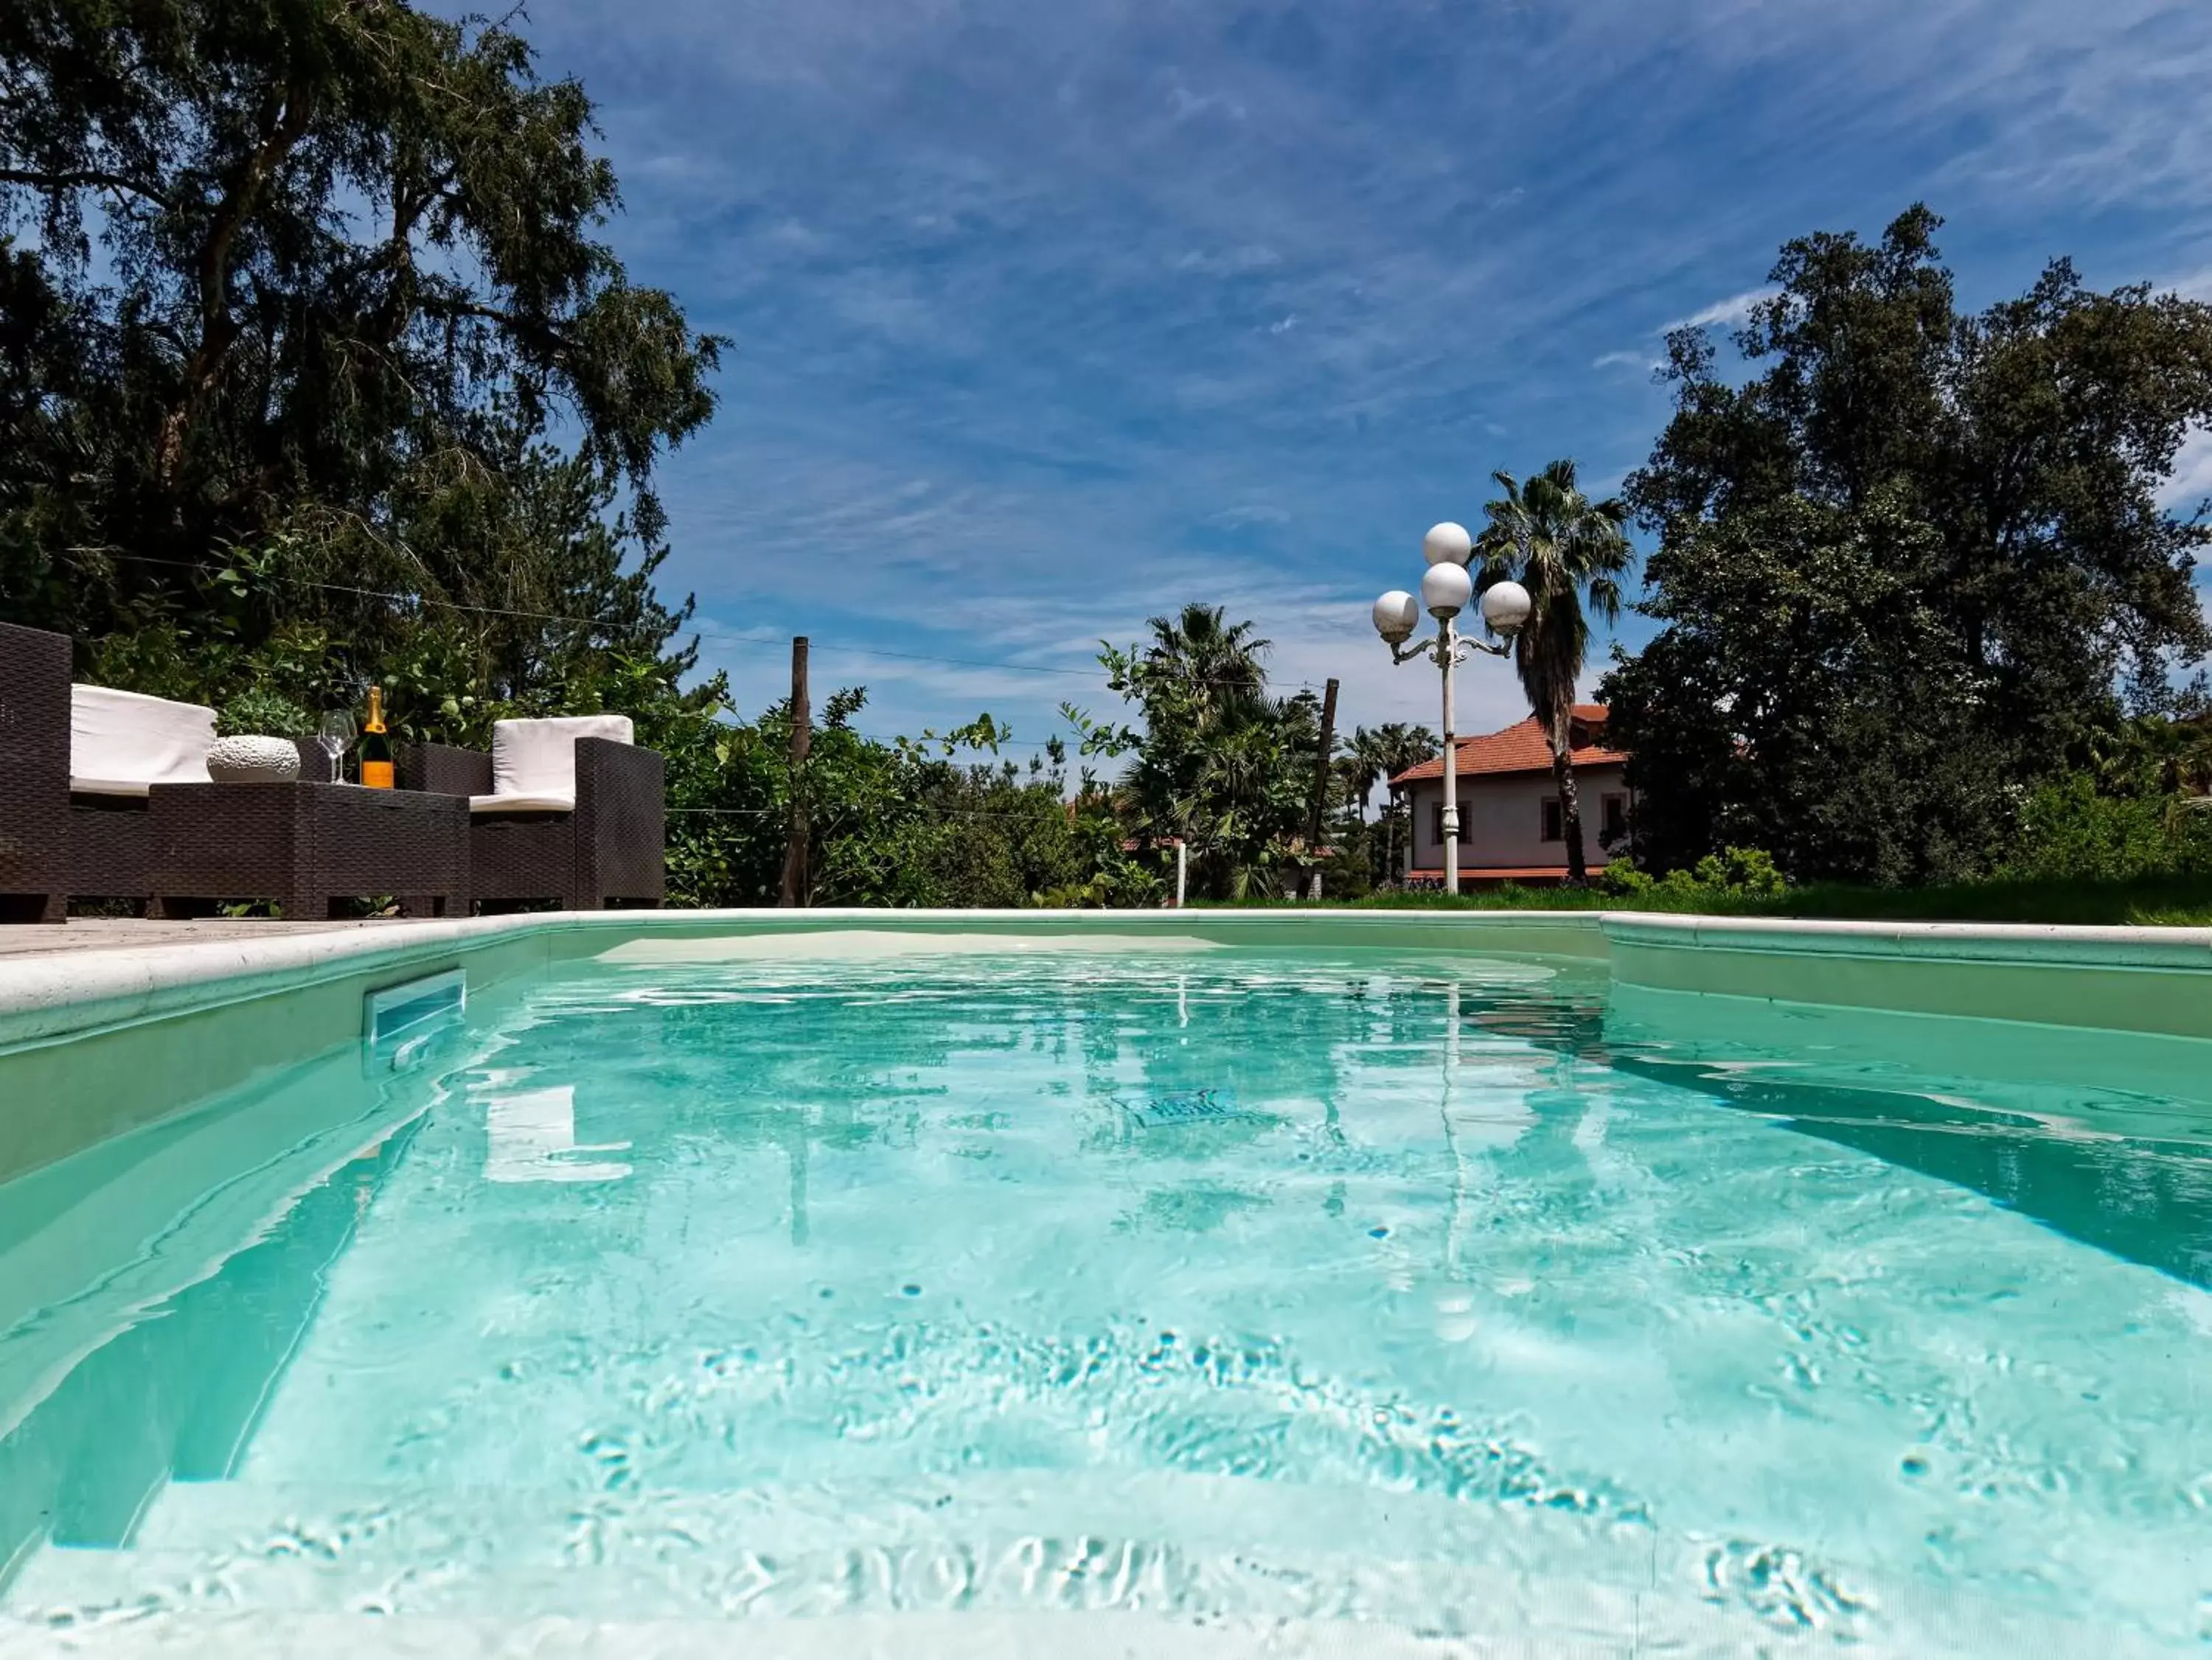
1518, 749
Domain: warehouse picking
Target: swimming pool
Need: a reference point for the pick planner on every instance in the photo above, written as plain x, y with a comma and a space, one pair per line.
945, 1286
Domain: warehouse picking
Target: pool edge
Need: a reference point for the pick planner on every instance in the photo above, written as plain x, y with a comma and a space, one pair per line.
2149, 980
119, 1027
47, 998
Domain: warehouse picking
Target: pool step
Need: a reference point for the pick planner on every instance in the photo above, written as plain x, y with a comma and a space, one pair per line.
1054, 1539
864, 1550
892, 1552
904, 1637
947, 1587
1203, 1512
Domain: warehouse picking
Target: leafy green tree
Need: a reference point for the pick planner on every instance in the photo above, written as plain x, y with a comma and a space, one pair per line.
1567, 551
1803, 696
908, 824
305, 325
1911, 565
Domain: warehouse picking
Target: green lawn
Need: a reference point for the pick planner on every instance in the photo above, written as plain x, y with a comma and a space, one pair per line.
2166, 901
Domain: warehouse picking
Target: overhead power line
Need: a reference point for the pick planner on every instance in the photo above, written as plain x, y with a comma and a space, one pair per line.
703, 634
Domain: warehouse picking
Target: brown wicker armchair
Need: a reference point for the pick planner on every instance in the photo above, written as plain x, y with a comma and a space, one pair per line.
121, 744
608, 850
34, 775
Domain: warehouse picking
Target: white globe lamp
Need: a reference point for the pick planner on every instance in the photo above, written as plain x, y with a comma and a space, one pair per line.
1397, 614
1445, 590
1506, 606
1447, 544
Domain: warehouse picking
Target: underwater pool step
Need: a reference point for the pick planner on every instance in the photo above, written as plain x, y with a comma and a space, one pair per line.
98, 1594
851, 1555
133, 1605
1076, 1542
896, 1637
1202, 1512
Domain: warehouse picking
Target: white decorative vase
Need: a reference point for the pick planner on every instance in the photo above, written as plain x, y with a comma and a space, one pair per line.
254, 760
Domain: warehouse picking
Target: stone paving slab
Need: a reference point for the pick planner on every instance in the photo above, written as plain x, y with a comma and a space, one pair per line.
98, 933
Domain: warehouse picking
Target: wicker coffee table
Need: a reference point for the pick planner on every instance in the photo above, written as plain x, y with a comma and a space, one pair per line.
305, 845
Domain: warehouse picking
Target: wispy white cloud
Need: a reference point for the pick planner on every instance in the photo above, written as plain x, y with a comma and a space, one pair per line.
2196, 285
2189, 484
1733, 309
1249, 513
1231, 262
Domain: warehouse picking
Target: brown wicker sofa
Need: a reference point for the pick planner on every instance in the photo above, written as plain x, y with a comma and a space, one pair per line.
587, 829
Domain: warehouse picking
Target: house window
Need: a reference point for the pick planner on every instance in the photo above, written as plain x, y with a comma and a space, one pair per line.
1613, 819
1555, 826
1437, 819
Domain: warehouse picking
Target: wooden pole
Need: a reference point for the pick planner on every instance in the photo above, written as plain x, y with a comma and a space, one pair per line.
1321, 785
796, 884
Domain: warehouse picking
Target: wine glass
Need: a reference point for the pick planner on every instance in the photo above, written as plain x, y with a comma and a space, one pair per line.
336, 734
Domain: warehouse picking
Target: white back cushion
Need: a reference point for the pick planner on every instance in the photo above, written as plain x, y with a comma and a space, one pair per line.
121, 743
538, 758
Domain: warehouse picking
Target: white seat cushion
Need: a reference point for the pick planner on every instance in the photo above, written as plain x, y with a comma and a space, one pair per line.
534, 762
122, 743
522, 804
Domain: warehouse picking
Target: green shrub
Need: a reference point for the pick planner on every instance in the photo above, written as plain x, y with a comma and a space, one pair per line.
1748, 871
1732, 873
263, 713
2070, 831
1622, 877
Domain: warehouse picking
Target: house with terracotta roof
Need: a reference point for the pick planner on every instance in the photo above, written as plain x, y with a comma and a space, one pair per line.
1510, 825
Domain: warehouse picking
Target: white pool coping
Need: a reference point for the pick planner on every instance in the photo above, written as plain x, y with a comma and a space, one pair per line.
53, 994
2052, 942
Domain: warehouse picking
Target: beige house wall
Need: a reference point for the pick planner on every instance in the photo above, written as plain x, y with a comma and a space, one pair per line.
1501, 818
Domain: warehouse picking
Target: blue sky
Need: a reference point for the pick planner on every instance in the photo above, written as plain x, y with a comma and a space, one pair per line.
1052, 316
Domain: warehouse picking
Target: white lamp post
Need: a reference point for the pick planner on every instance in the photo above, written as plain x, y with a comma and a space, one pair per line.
1446, 587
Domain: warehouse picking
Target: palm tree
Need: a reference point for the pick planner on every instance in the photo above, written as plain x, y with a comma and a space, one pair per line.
1362, 767
1404, 745
1567, 551
1381, 752
1214, 657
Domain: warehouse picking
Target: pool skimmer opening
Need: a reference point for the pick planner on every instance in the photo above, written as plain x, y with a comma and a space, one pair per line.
399, 1022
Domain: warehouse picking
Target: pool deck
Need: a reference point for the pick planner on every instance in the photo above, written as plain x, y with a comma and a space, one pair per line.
133, 933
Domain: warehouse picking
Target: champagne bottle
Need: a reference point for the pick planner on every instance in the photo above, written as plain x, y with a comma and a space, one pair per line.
375, 745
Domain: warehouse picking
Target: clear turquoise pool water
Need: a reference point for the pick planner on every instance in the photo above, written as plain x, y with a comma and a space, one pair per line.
1446, 1296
